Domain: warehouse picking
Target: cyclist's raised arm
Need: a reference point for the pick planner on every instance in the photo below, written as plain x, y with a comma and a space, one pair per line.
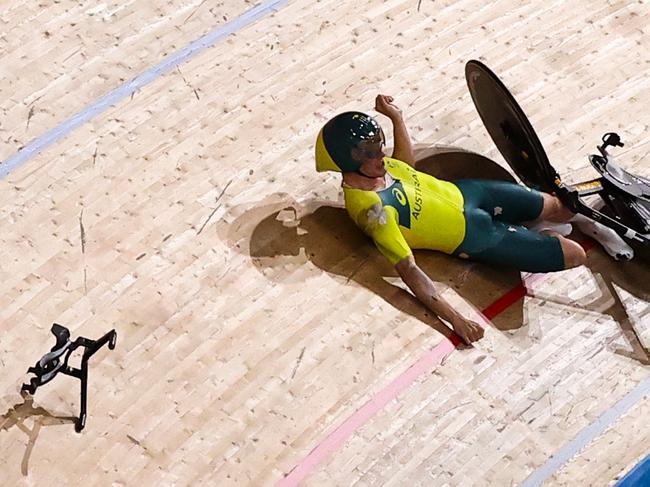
403, 148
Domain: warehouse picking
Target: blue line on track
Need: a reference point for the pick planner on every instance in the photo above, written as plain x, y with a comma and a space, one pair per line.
587, 434
639, 476
125, 90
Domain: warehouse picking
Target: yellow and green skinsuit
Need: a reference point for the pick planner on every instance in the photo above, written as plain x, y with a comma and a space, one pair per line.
417, 211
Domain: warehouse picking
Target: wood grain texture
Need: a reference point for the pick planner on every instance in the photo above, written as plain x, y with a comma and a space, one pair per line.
252, 317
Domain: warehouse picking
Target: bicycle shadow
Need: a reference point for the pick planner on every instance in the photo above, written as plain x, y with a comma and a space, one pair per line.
19, 413
633, 277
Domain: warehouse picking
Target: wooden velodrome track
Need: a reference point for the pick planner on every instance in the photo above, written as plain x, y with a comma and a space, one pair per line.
259, 334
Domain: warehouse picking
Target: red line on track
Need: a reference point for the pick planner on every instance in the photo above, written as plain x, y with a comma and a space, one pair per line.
425, 364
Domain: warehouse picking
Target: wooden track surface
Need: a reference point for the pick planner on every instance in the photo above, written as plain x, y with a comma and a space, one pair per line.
252, 317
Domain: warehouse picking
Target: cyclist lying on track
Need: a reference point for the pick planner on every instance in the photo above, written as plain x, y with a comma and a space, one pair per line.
402, 209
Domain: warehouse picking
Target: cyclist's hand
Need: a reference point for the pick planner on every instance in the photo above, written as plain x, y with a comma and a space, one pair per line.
384, 105
468, 330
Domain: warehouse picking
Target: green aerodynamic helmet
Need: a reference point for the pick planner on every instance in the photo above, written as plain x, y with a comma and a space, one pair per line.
339, 136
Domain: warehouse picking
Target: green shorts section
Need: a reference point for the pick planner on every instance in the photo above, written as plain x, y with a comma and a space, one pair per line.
494, 213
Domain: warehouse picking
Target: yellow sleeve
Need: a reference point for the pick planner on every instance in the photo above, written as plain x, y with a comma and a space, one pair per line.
381, 224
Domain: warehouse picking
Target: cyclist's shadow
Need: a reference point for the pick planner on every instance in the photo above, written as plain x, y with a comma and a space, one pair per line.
330, 240
280, 234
